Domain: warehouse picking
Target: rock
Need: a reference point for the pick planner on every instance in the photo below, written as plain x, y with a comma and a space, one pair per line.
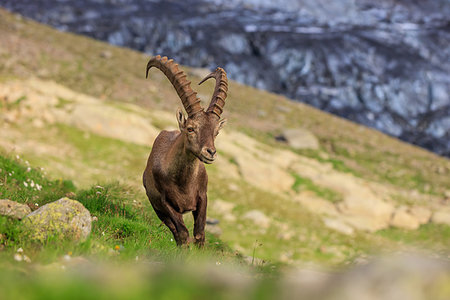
315, 204
256, 166
447, 194
338, 226
363, 210
441, 217
64, 218
212, 221
299, 138
421, 213
106, 54
403, 219
13, 209
258, 217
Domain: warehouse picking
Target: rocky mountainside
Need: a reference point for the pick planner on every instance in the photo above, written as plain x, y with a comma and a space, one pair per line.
306, 185
383, 64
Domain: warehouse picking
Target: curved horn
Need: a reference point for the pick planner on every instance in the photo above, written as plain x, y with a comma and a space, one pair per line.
220, 91
178, 79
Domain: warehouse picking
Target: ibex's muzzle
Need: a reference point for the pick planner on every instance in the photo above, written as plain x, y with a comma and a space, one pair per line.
208, 155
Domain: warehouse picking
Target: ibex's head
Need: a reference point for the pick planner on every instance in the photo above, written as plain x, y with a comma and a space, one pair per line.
200, 127
200, 131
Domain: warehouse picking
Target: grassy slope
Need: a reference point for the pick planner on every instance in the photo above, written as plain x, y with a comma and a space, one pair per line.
29, 49
122, 221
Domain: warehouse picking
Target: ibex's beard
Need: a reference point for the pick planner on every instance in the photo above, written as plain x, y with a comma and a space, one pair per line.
206, 160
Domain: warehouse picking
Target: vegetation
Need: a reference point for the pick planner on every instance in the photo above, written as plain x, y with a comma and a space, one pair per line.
122, 225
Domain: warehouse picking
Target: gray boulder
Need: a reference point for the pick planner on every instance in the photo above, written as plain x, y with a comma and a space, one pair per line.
13, 209
299, 138
63, 219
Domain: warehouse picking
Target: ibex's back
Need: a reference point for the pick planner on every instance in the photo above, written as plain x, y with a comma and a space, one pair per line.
175, 178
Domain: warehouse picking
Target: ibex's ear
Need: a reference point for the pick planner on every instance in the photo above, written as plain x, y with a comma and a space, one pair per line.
221, 124
181, 119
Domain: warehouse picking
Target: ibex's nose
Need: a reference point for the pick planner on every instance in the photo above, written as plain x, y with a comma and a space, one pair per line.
211, 151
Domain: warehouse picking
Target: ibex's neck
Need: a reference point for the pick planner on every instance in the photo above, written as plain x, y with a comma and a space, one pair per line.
184, 164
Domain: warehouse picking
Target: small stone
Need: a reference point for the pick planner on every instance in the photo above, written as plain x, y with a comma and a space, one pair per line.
447, 193
338, 226
13, 209
299, 138
212, 221
422, 214
106, 54
258, 217
64, 218
403, 219
441, 217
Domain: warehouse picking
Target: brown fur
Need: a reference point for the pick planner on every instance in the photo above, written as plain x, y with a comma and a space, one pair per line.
175, 178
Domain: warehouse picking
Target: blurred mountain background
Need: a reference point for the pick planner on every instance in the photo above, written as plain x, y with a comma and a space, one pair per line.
384, 64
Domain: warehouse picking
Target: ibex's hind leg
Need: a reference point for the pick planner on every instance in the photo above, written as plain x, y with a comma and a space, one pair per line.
199, 221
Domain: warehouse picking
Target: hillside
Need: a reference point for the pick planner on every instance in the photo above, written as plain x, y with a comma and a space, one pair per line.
383, 64
83, 111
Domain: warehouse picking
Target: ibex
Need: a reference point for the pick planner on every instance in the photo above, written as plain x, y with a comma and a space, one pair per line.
175, 178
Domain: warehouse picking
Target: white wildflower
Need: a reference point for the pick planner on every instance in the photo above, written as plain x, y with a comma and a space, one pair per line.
25, 184
18, 257
39, 187
37, 204
17, 156
32, 184
67, 257
20, 250
26, 259
103, 233
94, 219
218, 263
28, 169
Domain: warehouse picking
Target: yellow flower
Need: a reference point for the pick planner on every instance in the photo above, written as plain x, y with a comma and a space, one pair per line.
117, 247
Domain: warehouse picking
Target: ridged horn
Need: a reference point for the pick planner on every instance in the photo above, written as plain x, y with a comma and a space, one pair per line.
178, 79
220, 91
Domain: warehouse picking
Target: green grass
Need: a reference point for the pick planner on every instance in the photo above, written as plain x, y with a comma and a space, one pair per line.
123, 220
426, 236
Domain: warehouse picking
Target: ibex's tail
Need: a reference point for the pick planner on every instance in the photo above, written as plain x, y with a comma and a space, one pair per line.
178, 79
220, 91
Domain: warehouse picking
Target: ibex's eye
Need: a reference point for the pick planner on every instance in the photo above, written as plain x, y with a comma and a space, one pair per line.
190, 129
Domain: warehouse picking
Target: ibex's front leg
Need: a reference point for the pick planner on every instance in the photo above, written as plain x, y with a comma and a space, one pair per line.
200, 220
175, 223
